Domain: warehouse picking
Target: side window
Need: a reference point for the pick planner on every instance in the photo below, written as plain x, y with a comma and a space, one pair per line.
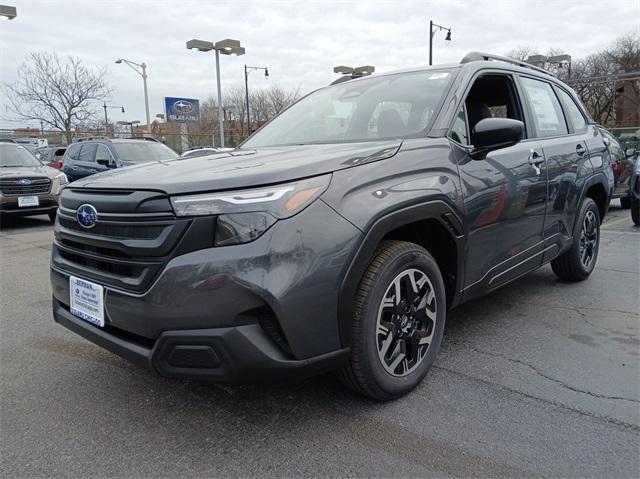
73, 152
102, 153
573, 112
87, 153
459, 128
547, 113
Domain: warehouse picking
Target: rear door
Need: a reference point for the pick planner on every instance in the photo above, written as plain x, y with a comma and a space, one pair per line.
70, 160
561, 131
86, 162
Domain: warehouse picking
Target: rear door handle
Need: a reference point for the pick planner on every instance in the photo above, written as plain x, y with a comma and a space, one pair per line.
580, 149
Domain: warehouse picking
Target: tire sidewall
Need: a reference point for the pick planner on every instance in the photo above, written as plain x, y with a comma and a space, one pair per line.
588, 205
418, 259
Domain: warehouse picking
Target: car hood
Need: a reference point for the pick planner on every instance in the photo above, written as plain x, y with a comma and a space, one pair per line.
242, 168
28, 171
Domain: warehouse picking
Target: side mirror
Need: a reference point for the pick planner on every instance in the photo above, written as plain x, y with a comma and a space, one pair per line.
495, 133
106, 163
630, 152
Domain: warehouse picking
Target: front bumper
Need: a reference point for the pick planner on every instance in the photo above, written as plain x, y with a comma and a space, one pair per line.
47, 203
256, 310
233, 354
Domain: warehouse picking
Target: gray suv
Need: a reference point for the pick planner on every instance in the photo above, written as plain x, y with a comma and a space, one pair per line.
338, 236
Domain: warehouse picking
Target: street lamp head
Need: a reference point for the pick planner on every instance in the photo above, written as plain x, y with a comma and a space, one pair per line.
227, 45
8, 12
122, 109
119, 60
343, 70
201, 45
235, 51
448, 37
266, 72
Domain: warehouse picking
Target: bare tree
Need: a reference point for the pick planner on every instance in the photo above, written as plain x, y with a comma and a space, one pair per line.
62, 93
522, 52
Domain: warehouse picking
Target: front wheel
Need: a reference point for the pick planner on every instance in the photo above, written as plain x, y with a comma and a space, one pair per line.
625, 202
635, 210
400, 310
578, 262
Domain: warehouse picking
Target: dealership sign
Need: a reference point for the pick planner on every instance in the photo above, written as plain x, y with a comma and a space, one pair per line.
181, 109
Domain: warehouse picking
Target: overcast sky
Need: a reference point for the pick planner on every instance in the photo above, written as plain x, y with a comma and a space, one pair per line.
299, 41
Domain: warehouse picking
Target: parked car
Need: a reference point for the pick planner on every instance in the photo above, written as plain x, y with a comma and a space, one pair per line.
622, 166
338, 236
634, 187
94, 155
51, 155
204, 151
27, 187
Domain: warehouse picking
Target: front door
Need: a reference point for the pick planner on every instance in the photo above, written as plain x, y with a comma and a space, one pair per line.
504, 194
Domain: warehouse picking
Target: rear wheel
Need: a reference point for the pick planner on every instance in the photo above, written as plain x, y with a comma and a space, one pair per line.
625, 202
577, 263
398, 324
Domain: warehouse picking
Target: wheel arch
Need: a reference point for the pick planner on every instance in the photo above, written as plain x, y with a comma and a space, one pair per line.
596, 188
436, 225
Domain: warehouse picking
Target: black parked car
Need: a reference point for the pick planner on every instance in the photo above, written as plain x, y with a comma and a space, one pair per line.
634, 188
338, 236
94, 155
622, 165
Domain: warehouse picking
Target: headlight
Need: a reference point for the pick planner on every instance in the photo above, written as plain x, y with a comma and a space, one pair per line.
58, 182
243, 215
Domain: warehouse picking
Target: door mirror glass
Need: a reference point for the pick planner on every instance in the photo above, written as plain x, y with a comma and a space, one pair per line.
495, 133
630, 152
104, 162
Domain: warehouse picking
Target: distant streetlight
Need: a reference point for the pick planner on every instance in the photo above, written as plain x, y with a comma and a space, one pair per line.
140, 69
432, 32
248, 70
106, 118
8, 12
351, 72
561, 60
226, 47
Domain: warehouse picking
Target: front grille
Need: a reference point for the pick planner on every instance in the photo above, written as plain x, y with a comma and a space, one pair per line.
125, 249
37, 186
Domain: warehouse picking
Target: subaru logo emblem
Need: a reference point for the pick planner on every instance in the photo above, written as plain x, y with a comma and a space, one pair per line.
87, 216
183, 107
24, 181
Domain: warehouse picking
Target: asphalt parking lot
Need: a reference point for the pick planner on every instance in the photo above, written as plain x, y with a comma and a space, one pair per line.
541, 378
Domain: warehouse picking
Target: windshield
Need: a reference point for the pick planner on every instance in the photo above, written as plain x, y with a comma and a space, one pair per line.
392, 106
142, 152
16, 156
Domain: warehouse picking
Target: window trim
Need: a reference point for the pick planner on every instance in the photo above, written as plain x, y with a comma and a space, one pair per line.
530, 114
106, 148
565, 109
463, 101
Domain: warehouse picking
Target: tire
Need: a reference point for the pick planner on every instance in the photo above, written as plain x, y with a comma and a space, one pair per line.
635, 211
384, 329
52, 216
625, 202
577, 263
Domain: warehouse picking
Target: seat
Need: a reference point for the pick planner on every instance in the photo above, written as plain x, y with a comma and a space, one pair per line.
390, 124
477, 111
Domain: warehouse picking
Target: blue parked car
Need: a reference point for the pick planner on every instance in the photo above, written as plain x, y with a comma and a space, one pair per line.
94, 155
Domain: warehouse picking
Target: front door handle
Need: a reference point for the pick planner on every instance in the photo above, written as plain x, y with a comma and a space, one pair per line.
535, 160
580, 149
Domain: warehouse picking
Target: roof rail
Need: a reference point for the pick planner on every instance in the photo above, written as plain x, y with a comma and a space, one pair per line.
145, 138
479, 56
93, 138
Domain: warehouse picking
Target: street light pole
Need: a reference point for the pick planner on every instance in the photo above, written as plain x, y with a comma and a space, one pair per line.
226, 47
140, 69
432, 32
246, 90
220, 112
106, 119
